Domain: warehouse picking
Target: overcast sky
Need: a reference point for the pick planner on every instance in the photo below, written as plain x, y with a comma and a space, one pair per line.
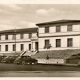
27, 15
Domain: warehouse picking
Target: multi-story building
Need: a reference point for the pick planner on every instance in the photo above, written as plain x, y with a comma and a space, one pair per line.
16, 41
58, 40
54, 41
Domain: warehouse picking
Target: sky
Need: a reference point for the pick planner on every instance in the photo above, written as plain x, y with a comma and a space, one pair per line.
16, 16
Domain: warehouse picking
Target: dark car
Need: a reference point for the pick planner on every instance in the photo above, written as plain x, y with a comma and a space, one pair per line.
25, 60
8, 59
74, 59
1, 57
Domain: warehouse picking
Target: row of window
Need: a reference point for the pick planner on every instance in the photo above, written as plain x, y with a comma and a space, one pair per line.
14, 36
58, 43
58, 28
14, 47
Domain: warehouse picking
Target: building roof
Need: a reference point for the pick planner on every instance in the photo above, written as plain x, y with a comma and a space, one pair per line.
24, 30
58, 22
56, 54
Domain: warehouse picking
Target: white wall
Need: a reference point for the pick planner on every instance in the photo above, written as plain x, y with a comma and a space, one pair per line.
51, 61
76, 42
52, 29
42, 30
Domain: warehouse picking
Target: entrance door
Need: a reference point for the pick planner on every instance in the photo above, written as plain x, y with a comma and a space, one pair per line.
29, 47
36, 46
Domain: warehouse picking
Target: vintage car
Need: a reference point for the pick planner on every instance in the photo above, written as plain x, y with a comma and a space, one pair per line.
74, 59
1, 57
25, 60
8, 59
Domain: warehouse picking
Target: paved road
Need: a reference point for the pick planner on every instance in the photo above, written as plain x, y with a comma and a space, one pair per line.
40, 74
13, 70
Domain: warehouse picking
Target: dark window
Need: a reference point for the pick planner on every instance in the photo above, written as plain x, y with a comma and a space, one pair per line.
0, 37
14, 37
6, 37
58, 42
21, 36
29, 47
69, 28
46, 29
14, 47
30, 35
6, 47
69, 42
58, 28
46, 43
0, 47
22, 47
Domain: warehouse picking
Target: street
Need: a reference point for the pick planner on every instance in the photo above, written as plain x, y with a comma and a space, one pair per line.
13, 70
40, 74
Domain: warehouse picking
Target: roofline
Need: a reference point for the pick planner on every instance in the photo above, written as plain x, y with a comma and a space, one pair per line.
23, 30
57, 22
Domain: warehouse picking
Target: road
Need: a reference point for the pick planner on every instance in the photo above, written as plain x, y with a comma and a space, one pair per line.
40, 74
13, 70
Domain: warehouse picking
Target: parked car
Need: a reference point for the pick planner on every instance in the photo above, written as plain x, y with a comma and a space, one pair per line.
74, 59
1, 57
8, 59
25, 60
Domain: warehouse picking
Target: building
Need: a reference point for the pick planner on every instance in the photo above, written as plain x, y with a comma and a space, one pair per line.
58, 40
19, 40
54, 41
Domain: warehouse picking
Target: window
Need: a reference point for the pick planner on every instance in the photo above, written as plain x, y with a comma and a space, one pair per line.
14, 37
21, 36
22, 47
69, 28
58, 42
30, 35
0, 47
6, 47
14, 47
58, 29
46, 29
46, 43
6, 37
0, 37
69, 42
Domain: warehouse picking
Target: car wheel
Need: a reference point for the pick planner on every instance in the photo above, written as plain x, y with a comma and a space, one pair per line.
33, 63
23, 63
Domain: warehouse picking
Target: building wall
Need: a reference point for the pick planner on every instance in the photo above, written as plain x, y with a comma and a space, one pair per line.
25, 41
51, 61
76, 43
52, 28
63, 35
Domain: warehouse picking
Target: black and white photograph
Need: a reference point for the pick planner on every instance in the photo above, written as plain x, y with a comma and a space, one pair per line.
39, 40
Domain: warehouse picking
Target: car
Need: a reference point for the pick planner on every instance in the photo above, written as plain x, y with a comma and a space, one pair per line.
1, 57
25, 60
74, 59
8, 59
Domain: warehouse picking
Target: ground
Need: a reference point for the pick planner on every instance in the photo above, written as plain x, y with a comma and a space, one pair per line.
39, 67
13, 70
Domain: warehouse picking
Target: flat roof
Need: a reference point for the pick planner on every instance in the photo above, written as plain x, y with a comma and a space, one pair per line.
58, 22
23, 30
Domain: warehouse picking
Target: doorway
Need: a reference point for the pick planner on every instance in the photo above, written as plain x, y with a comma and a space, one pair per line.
36, 46
29, 47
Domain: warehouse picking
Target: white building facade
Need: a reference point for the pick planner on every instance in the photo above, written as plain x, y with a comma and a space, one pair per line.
59, 35
54, 41
58, 40
19, 40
